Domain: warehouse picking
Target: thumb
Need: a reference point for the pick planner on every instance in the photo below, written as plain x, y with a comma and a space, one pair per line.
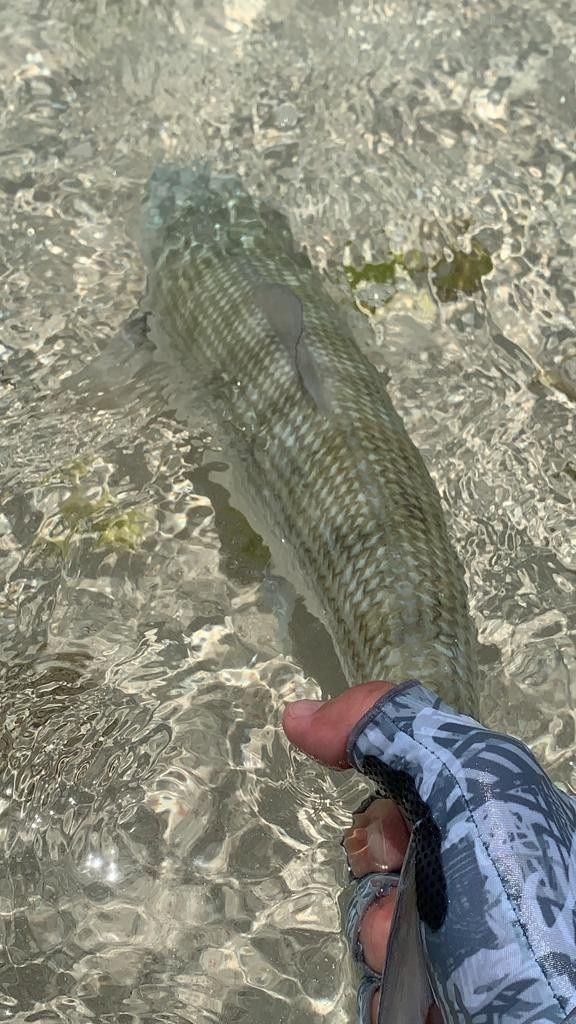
321, 728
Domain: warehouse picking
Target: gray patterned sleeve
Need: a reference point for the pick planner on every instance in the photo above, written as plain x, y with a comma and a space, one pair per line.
495, 859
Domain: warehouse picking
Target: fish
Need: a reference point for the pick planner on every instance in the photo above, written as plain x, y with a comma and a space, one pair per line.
321, 462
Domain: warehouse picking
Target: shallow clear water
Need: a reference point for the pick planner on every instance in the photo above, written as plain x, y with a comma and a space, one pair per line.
166, 857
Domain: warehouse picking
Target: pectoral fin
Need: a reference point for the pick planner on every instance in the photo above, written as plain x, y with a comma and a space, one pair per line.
283, 311
285, 314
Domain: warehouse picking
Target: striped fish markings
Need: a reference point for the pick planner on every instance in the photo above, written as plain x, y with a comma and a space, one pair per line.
320, 457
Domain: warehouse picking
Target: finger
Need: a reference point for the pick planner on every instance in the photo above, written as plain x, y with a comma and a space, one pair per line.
321, 728
375, 931
377, 840
375, 1008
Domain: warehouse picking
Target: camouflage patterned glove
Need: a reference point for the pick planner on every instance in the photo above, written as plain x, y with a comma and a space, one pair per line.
485, 920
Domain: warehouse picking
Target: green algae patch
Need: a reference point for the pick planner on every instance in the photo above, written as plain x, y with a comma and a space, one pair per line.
78, 507
126, 529
373, 273
374, 284
90, 513
459, 273
99, 520
462, 274
77, 469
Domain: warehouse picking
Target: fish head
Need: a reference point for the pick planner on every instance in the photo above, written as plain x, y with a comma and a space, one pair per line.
194, 205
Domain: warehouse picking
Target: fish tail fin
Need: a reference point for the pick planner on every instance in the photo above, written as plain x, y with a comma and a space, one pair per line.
195, 205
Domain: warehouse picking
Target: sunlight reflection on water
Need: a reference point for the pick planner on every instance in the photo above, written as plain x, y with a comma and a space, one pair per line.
166, 857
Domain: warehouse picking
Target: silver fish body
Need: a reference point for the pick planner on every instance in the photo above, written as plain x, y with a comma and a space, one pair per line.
312, 433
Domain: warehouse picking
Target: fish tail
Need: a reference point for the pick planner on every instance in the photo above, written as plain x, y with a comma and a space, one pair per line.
193, 205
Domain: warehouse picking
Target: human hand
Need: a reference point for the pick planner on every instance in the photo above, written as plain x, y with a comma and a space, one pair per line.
502, 947
378, 839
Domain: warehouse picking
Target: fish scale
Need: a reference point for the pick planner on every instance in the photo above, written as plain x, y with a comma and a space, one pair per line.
319, 455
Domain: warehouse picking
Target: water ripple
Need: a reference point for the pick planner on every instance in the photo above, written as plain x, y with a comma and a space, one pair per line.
166, 857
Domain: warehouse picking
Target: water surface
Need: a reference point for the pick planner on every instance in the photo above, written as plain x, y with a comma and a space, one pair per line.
166, 858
